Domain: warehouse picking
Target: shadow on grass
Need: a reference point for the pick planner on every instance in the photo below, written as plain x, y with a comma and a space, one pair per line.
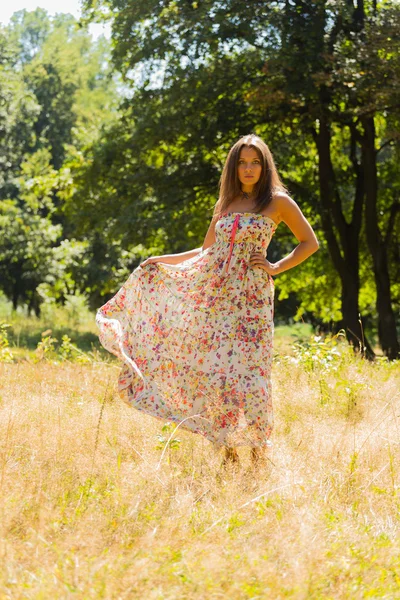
299, 332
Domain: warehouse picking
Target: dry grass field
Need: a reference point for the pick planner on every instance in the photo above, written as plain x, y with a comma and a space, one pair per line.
92, 507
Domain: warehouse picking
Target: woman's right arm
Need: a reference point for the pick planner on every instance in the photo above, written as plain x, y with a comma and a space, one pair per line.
210, 235
171, 259
175, 259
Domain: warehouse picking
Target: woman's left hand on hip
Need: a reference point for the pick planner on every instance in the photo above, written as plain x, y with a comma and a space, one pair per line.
257, 259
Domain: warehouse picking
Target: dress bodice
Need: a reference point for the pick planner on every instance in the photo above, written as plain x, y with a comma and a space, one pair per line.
252, 228
245, 232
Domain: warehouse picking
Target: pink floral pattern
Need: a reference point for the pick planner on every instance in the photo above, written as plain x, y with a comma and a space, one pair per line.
196, 339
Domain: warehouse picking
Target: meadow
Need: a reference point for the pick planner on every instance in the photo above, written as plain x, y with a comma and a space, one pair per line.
100, 501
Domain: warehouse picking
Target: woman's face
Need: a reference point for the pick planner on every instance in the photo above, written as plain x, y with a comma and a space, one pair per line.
249, 168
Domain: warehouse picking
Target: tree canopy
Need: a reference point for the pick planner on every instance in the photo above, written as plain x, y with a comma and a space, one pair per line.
132, 168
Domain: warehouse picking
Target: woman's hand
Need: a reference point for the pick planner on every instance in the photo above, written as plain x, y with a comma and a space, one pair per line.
151, 259
257, 259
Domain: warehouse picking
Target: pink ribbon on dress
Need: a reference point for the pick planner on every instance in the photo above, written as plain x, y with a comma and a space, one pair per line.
233, 233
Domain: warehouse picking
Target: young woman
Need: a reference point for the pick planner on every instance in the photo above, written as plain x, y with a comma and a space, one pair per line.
195, 330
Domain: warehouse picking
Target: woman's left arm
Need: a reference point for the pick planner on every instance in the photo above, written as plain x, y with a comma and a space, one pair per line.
290, 214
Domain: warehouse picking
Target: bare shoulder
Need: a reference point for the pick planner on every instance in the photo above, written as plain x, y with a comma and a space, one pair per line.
283, 205
291, 214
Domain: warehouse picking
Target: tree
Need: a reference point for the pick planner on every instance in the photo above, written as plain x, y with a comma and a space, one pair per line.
56, 91
29, 31
28, 235
289, 69
18, 111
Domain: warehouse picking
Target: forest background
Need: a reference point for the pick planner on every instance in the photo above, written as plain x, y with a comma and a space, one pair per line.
111, 150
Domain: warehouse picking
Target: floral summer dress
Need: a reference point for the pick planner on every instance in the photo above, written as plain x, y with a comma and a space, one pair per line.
195, 339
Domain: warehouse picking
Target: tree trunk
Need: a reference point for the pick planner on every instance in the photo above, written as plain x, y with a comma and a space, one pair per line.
378, 245
15, 296
352, 322
344, 256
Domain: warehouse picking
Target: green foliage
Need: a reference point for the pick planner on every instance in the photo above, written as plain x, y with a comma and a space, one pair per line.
351, 390
69, 351
211, 71
163, 437
28, 232
29, 31
316, 288
88, 189
18, 111
322, 354
70, 82
5, 352
26, 251
47, 350
55, 92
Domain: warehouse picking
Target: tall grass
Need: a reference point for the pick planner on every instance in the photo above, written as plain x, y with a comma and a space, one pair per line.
85, 512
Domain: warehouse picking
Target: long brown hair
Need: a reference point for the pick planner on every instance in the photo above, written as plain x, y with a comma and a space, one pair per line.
229, 183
